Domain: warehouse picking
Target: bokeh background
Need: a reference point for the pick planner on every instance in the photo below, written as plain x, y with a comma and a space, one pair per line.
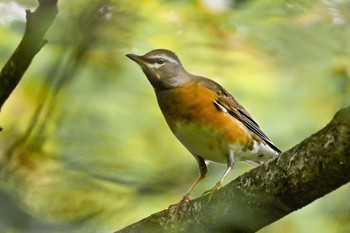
85, 147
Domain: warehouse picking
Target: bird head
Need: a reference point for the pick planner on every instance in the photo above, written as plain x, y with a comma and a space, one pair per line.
162, 68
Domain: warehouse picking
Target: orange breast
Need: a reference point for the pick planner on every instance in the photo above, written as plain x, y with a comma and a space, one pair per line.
193, 104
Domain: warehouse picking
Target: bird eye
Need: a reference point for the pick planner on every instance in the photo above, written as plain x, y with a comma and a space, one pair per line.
160, 61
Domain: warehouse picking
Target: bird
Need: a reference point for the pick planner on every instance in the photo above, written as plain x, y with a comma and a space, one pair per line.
210, 123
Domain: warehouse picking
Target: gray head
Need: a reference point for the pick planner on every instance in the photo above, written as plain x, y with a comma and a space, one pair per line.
162, 68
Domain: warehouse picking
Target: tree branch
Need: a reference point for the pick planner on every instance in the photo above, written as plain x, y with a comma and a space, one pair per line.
37, 24
308, 171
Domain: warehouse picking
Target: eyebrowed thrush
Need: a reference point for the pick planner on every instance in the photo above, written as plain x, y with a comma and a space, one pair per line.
204, 117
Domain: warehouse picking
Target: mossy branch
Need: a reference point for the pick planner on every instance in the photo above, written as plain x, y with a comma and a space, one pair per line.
308, 171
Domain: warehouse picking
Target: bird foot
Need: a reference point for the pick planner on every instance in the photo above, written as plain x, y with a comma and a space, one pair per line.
217, 186
180, 207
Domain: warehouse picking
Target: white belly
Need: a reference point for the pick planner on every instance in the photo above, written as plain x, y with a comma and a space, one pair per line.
208, 144
202, 142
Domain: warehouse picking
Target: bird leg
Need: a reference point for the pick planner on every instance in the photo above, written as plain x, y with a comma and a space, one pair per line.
203, 170
218, 185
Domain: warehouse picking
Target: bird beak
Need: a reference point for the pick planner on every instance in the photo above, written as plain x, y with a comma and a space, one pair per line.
136, 58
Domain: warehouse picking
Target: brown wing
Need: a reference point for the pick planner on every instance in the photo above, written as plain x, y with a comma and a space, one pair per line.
226, 101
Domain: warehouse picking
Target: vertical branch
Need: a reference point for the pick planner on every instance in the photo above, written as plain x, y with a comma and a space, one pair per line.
38, 22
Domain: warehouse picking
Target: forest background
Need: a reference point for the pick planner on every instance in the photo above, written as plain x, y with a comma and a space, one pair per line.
84, 146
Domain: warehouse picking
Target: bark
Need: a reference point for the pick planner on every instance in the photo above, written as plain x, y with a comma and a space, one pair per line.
306, 172
33, 40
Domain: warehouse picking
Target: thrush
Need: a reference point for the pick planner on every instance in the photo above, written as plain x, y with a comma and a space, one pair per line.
204, 117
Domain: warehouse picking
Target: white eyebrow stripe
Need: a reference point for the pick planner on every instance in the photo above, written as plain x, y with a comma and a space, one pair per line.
166, 58
155, 65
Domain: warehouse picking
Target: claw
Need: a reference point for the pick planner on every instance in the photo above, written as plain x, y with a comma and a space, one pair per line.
217, 186
180, 207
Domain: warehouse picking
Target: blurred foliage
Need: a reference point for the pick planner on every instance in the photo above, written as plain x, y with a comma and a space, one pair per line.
84, 146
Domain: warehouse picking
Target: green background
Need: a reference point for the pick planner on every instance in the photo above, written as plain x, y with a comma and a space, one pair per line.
85, 147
